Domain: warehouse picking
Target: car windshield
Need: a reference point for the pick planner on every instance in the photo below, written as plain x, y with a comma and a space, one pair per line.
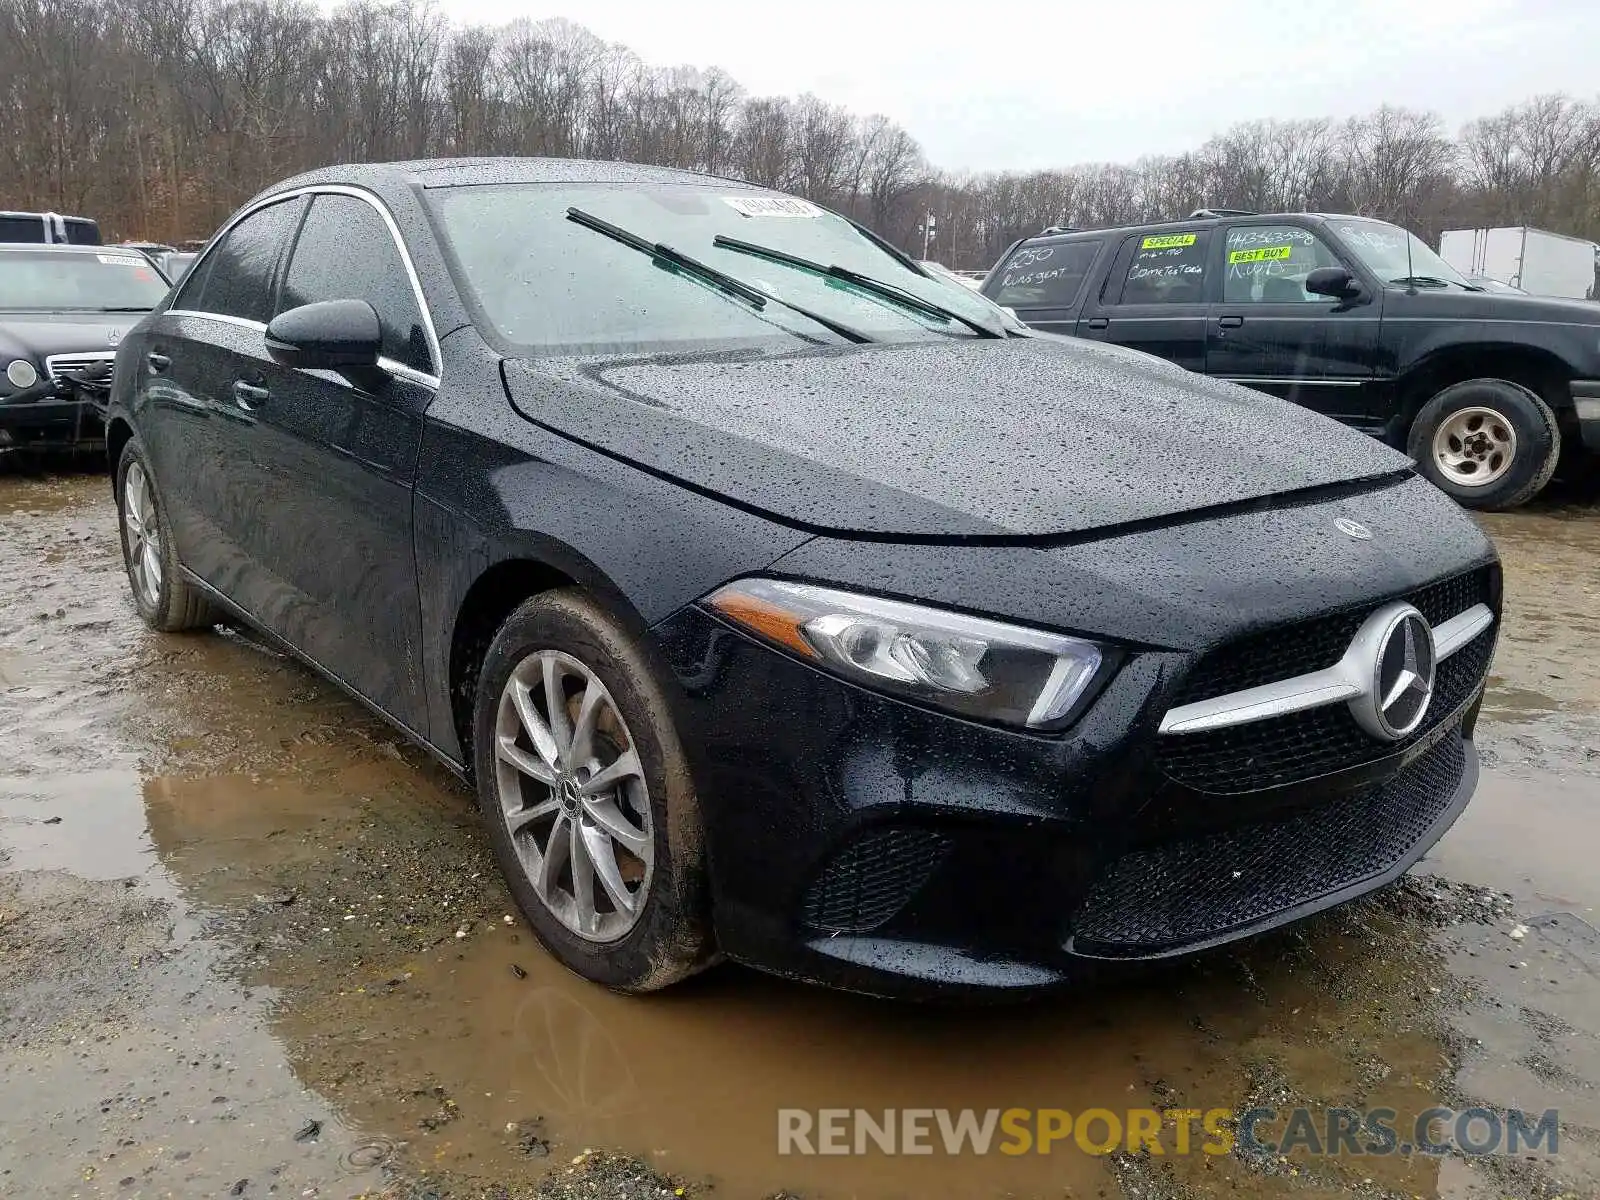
56, 281
1382, 247
544, 283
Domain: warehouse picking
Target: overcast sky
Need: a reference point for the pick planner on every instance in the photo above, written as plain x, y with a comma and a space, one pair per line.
1020, 84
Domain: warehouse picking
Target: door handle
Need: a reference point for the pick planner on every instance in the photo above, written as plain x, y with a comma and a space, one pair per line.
1230, 322
249, 394
158, 362
1098, 323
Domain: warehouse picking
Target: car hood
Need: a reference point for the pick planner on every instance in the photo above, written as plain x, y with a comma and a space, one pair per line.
1028, 437
1506, 306
37, 335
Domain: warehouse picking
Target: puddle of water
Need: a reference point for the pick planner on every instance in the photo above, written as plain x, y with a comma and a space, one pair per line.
1530, 835
338, 869
26, 496
90, 824
1512, 705
389, 1015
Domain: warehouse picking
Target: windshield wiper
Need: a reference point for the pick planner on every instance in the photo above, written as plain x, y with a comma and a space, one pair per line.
124, 308
1423, 281
866, 283
661, 252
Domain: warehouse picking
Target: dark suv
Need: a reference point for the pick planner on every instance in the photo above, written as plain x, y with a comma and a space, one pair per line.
1352, 317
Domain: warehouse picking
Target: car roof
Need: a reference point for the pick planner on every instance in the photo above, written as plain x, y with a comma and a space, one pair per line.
460, 172
71, 248
1070, 235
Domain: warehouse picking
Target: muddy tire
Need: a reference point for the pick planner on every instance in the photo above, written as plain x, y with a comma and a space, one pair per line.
164, 599
1490, 443
587, 797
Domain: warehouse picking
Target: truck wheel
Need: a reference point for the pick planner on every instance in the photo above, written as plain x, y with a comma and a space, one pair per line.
1490, 443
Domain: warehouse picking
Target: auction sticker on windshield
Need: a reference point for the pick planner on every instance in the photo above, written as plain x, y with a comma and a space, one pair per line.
772, 206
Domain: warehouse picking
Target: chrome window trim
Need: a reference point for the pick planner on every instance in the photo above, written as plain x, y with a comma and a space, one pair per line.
1342, 682
327, 189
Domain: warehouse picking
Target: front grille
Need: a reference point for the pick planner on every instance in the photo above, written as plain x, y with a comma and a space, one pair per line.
61, 365
1320, 642
1319, 741
1203, 887
1304, 745
872, 879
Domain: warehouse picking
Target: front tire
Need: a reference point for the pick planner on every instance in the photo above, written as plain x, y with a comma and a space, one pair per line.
165, 600
1490, 443
588, 799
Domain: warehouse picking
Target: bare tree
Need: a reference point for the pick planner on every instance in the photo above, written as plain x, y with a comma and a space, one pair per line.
160, 116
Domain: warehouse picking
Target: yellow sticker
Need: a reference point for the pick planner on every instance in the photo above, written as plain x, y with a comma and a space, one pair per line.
1260, 254
1166, 240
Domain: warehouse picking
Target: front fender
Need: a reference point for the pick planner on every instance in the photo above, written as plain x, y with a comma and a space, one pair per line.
493, 491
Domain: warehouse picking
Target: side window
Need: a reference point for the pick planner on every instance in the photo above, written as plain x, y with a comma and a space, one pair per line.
1045, 276
346, 252
1167, 268
1268, 264
236, 278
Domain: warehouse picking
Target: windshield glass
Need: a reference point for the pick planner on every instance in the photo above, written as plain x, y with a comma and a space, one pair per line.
54, 281
545, 284
1382, 247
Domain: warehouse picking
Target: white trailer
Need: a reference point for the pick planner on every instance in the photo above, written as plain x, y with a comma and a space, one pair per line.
1535, 260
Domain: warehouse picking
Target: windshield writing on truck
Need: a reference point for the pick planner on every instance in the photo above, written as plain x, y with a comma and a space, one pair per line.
1383, 248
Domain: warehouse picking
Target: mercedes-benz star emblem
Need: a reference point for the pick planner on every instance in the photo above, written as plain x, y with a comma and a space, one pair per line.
1354, 528
1397, 642
114, 337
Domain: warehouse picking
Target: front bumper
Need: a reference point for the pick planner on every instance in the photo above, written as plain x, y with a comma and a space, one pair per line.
1586, 403
863, 843
53, 423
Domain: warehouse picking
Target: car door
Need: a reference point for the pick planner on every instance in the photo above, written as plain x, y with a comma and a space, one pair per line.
1269, 333
1154, 298
195, 429
334, 464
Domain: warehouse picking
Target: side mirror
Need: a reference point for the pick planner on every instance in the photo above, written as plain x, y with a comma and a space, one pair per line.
330, 334
1332, 281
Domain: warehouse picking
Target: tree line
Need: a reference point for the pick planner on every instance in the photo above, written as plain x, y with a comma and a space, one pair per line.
158, 117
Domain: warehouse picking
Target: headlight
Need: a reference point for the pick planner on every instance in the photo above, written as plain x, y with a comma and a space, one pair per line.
968, 665
22, 373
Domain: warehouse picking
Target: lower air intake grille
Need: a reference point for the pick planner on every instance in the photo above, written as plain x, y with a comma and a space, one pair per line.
1191, 890
871, 879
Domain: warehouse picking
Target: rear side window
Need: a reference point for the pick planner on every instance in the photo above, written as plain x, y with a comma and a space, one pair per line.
1045, 276
27, 227
236, 278
1167, 268
346, 252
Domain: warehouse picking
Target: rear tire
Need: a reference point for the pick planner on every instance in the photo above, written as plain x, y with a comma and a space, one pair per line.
164, 599
1490, 443
649, 926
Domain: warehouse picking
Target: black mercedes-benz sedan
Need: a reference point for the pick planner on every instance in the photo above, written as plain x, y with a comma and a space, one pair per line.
63, 309
786, 603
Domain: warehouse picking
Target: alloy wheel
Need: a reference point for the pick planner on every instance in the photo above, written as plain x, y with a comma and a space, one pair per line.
142, 522
1475, 446
573, 796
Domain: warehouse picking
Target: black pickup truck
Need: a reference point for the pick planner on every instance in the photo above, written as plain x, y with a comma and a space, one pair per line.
1352, 317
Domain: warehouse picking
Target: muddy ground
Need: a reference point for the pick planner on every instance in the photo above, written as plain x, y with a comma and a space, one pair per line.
251, 944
